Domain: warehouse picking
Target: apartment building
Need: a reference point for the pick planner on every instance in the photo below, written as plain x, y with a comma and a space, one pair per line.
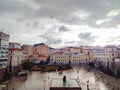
4, 43
101, 57
15, 54
107, 57
29, 49
42, 52
27, 52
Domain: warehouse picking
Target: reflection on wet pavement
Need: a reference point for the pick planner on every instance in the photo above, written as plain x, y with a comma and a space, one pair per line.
42, 81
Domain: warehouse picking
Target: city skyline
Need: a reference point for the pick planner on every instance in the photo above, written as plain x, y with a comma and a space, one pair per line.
61, 23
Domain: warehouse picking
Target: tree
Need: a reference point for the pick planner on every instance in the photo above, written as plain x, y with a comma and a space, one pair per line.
54, 63
27, 65
41, 63
48, 60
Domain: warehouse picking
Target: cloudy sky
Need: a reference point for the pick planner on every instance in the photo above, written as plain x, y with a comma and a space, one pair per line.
60, 23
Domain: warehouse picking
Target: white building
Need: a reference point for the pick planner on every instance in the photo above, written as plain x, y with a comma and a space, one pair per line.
15, 54
107, 57
4, 43
101, 56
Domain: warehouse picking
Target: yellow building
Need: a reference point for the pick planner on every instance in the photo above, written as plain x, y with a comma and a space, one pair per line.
59, 58
65, 58
79, 58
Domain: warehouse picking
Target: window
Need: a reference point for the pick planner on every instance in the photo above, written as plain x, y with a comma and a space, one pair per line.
112, 54
118, 54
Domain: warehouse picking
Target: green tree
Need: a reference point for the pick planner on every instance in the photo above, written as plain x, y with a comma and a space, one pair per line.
27, 65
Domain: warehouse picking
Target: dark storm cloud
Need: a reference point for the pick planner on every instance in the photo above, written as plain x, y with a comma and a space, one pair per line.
49, 17
36, 24
61, 10
51, 38
87, 38
63, 29
114, 22
19, 19
14, 7
64, 10
52, 41
70, 42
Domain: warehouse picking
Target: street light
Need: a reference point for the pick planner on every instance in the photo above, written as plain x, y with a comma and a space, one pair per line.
10, 65
87, 84
13, 84
77, 74
117, 86
44, 83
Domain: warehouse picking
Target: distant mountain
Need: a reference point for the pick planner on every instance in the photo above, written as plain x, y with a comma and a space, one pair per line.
52, 48
35, 45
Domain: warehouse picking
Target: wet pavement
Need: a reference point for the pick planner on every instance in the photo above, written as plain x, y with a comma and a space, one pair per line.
42, 81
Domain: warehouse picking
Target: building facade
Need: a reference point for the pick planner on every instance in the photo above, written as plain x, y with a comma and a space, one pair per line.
108, 57
15, 54
61, 58
79, 58
27, 52
101, 57
4, 43
42, 52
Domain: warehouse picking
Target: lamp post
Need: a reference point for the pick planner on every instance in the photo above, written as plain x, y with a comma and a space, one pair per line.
77, 74
107, 63
87, 84
13, 84
117, 85
10, 65
44, 83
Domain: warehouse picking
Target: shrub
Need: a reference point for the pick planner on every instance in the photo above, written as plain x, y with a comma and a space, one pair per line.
27, 65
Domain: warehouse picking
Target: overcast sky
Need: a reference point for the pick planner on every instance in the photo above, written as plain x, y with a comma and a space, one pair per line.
60, 23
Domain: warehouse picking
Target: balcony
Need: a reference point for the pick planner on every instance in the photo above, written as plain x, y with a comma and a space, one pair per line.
3, 57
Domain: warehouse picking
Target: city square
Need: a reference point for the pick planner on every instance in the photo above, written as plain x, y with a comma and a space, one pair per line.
59, 44
42, 81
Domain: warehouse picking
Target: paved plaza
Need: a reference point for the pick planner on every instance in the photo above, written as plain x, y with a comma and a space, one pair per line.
42, 81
